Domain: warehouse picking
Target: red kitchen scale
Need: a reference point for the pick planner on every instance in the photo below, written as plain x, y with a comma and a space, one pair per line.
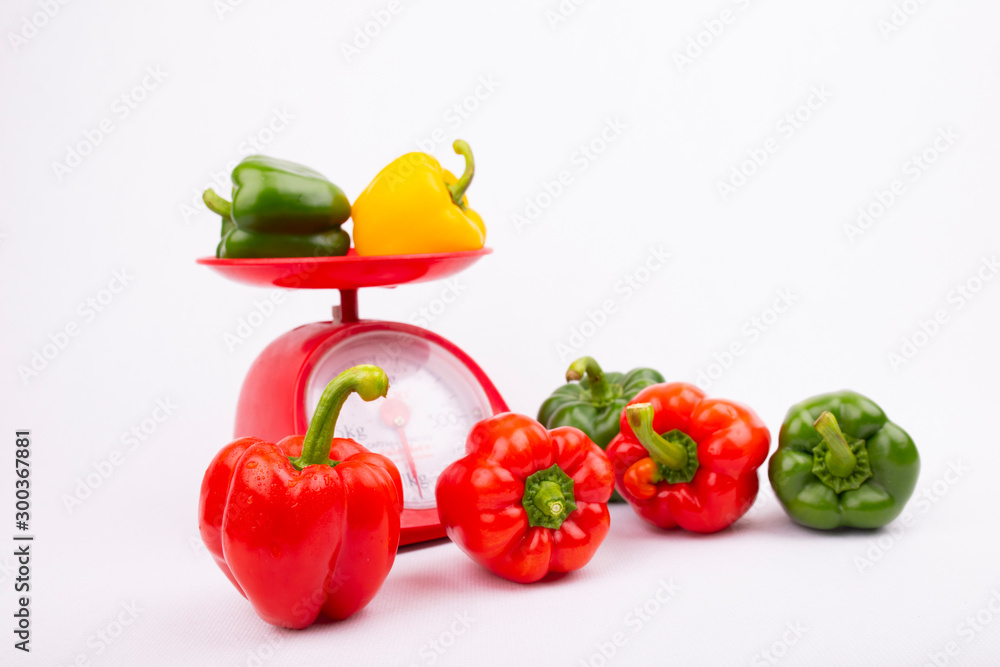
436, 391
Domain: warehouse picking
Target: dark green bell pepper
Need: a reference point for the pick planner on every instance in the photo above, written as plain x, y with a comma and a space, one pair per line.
841, 462
280, 209
593, 400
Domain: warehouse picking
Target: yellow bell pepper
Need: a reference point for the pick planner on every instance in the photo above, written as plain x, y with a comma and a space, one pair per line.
415, 206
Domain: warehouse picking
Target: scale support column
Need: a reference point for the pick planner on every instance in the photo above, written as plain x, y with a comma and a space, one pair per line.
347, 311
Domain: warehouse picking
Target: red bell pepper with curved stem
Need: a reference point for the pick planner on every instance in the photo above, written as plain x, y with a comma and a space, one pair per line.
309, 526
525, 501
686, 460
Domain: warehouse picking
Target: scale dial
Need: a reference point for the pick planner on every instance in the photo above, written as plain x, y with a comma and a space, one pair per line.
422, 424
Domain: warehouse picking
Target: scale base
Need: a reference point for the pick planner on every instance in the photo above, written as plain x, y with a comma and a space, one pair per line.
272, 402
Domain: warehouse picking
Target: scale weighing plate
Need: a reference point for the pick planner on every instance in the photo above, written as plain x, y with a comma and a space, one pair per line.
349, 272
436, 391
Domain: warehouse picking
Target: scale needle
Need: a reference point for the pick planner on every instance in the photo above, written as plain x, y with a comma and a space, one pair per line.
395, 414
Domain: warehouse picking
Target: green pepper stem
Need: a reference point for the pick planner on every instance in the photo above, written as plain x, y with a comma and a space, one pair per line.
216, 204
670, 454
370, 382
587, 366
458, 188
549, 499
840, 460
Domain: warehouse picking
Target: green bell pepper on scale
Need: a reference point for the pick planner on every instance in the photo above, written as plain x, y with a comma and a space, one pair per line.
593, 400
280, 209
841, 463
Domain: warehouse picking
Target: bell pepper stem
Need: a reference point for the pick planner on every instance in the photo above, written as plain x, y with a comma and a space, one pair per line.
587, 366
458, 188
549, 499
369, 382
216, 204
840, 460
666, 453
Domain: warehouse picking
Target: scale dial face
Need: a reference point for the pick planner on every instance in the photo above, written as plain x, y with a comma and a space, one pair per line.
422, 423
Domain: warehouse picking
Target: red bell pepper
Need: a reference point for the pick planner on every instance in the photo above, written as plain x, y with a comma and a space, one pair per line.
309, 526
685, 460
524, 501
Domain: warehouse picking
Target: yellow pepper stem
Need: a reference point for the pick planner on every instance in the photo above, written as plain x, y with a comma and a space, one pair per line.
458, 188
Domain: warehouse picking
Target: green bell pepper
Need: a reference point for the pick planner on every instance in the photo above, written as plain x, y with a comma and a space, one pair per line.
593, 401
841, 462
280, 209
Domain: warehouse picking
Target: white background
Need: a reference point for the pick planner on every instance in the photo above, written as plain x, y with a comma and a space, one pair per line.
888, 94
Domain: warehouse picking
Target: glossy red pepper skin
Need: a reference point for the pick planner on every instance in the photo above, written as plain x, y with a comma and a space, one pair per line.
309, 526
301, 544
732, 443
480, 498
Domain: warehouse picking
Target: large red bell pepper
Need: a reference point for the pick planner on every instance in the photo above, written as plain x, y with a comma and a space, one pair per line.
309, 526
685, 460
524, 501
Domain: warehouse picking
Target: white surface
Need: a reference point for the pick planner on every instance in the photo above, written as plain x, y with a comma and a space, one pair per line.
162, 336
